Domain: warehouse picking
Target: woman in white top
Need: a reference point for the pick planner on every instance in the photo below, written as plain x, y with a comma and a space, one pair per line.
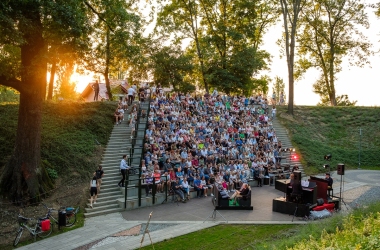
93, 189
204, 185
186, 187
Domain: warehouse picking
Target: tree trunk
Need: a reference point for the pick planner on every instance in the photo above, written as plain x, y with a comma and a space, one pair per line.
23, 175
51, 81
106, 73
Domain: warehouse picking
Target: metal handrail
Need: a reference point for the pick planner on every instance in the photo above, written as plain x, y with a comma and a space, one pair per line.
139, 185
131, 152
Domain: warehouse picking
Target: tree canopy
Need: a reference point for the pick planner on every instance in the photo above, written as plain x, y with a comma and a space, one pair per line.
329, 33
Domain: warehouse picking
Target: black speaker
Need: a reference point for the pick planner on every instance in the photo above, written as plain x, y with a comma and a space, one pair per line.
297, 176
340, 169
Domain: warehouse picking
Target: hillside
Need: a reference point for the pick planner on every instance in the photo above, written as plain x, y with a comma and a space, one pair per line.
70, 135
318, 131
73, 137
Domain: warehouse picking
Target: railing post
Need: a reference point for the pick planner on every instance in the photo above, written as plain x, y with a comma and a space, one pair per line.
126, 190
154, 190
166, 188
139, 191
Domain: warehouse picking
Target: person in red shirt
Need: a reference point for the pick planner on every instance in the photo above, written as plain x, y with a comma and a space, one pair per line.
157, 180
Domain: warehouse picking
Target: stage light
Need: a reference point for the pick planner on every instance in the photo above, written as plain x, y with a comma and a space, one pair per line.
328, 157
294, 157
294, 150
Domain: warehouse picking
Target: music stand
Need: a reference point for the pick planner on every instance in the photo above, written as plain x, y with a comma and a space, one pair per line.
213, 213
215, 203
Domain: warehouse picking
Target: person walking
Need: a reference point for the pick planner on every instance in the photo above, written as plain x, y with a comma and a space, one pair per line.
273, 112
95, 87
93, 189
131, 95
99, 174
123, 170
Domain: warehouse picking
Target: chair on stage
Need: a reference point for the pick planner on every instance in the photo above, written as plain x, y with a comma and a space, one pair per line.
296, 195
245, 200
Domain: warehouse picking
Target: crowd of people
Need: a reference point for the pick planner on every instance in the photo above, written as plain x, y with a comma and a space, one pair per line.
196, 142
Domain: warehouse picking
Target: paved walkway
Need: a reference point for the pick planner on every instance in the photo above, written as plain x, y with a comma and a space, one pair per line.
124, 230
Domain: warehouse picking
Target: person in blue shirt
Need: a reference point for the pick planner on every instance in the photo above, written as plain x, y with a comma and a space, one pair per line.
198, 187
179, 173
239, 143
123, 169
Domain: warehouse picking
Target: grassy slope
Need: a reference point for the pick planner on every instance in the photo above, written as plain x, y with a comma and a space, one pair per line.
68, 135
317, 131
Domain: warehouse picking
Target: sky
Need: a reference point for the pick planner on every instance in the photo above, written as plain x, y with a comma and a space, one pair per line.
361, 84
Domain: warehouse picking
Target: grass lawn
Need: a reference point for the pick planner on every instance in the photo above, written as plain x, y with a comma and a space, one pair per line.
229, 237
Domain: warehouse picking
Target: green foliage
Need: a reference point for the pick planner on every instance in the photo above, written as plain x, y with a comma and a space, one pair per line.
68, 137
170, 67
226, 36
52, 173
317, 131
278, 88
359, 231
116, 36
341, 100
8, 95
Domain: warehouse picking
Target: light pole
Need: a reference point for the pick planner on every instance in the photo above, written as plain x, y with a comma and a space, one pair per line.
360, 145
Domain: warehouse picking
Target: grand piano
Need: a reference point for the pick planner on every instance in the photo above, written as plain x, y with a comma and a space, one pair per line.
309, 194
301, 208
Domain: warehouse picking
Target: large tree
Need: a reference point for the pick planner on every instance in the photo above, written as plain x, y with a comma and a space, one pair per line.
233, 34
291, 10
225, 37
171, 67
181, 18
330, 32
26, 25
115, 37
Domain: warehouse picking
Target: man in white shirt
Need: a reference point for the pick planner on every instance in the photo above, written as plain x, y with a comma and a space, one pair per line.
131, 95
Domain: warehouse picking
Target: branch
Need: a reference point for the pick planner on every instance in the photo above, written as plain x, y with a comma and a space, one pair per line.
98, 14
11, 82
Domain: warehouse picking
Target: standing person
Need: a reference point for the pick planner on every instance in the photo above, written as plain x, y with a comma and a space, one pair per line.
123, 169
99, 174
93, 189
131, 94
95, 87
282, 99
273, 112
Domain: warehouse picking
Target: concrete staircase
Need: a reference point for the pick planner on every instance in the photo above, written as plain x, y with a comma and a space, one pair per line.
111, 197
287, 159
118, 145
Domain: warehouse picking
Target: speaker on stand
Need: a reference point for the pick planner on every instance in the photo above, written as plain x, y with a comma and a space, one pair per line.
340, 171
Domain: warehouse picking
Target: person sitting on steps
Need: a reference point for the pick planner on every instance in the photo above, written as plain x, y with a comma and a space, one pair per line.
178, 190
